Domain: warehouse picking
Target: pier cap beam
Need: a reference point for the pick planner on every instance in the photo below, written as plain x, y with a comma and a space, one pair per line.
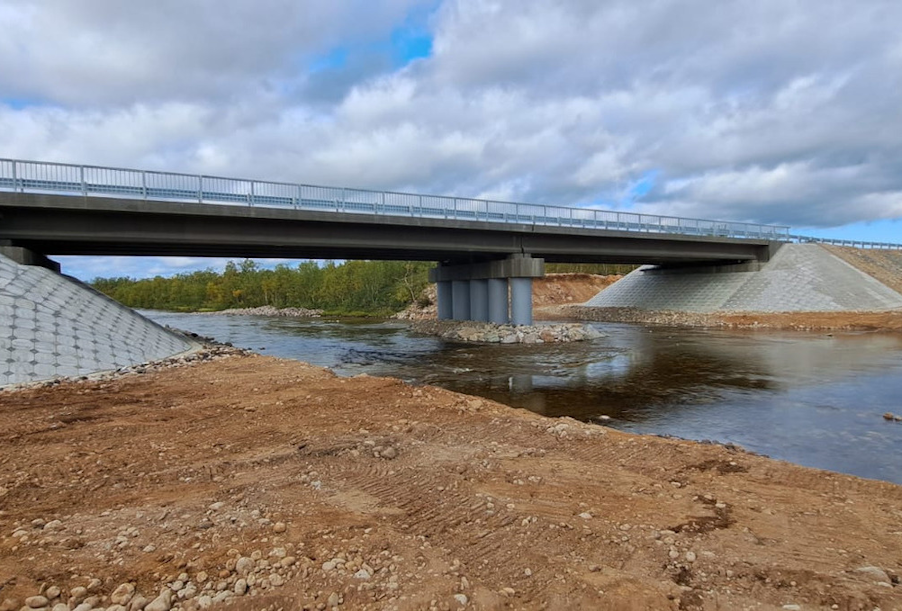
515, 266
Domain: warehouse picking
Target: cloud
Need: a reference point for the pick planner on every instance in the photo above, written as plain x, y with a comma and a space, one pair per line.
772, 111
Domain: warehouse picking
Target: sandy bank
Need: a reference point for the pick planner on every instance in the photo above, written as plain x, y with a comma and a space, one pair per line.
292, 488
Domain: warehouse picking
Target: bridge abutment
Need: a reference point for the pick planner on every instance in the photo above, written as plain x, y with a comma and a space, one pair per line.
24, 256
489, 291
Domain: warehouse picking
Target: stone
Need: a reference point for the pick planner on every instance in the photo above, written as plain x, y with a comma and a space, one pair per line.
362, 574
461, 599
78, 594
333, 600
60, 607
244, 566
36, 602
874, 572
690, 557
389, 453
276, 580
279, 527
163, 602
123, 594
94, 585
204, 602
53, 592
138, 603
240, 587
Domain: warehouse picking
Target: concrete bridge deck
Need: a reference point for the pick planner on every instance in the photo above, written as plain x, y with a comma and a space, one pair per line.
66, 209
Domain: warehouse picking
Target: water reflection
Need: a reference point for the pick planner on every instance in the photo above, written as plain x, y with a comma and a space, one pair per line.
816, 399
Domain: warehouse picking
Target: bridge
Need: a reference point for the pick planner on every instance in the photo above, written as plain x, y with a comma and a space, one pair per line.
488, 251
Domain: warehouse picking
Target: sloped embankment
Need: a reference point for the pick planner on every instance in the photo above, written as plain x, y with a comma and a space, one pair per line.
52, 325
882, 265
799, 278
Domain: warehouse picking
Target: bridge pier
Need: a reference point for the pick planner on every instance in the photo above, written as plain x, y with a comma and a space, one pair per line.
498, 301
521, 301
444, 303
490, 291
479, 300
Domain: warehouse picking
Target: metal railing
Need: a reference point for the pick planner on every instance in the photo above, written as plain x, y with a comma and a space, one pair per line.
83, 180
801, 239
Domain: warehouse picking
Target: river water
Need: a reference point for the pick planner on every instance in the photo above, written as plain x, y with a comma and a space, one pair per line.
816, 399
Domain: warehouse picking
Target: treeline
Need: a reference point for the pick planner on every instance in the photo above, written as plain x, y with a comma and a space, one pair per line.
348, 288
352, 287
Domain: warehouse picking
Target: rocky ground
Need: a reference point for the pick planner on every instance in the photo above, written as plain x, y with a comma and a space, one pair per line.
489, 333
801, 321
269, 311
245, 482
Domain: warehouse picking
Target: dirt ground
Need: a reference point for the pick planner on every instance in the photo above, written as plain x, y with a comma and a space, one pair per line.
556, 289
297, 489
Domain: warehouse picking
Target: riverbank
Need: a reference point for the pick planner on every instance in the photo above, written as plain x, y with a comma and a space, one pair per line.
799, 321
275, 484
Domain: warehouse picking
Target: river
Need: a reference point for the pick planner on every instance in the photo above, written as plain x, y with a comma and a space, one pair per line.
815, 399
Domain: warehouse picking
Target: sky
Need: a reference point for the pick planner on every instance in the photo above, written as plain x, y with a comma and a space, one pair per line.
775, 111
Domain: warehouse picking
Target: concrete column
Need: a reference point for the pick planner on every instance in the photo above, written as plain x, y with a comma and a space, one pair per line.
460, 300
479, 300
443, 300
521, 301
498, 301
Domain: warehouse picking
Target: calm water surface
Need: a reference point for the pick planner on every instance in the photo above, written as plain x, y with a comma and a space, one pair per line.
811, 398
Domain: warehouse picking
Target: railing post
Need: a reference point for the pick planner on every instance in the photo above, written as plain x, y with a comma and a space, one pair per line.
200, 189
144, 184
15, 178
297, 202
84, 186
252, 194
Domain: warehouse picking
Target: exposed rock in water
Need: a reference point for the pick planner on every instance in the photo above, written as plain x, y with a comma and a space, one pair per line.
270, 311
490, 333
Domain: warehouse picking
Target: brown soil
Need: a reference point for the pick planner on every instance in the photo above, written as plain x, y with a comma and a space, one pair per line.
846, 321
185, 469
557, 289
884, 265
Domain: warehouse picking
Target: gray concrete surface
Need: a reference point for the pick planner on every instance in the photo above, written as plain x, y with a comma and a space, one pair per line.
799, 278
52, 325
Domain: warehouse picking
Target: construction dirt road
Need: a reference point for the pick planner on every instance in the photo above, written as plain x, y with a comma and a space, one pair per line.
248, 482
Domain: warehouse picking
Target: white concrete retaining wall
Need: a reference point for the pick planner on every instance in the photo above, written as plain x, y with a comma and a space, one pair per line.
799, 278
52, 325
